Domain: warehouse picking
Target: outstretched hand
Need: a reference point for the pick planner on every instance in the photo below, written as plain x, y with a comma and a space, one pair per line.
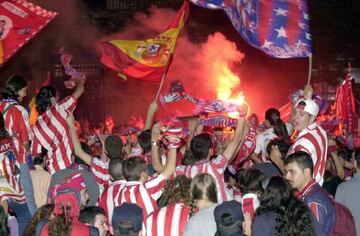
153, 107
156, 132
243, 110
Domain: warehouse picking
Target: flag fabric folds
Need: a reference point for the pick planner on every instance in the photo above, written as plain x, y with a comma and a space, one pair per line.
278, 28
19, 22
144, 59
345, 106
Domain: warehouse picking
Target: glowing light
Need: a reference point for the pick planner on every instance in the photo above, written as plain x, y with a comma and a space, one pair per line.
226, 82
220, 57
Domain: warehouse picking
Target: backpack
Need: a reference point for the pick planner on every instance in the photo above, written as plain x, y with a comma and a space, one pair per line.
344, 221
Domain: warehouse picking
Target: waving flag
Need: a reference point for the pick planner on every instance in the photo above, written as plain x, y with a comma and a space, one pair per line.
345, 105
278, 28
144, 59
19, 22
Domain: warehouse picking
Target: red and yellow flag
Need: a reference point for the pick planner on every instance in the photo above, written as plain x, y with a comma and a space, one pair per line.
20, 21
144, 59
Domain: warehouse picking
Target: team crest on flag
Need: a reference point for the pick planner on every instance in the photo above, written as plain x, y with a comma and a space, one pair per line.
145, 59
19, 22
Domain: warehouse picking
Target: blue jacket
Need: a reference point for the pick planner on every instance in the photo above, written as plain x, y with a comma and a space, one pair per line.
320, 204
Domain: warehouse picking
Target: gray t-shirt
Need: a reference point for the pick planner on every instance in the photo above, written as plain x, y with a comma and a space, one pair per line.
91, 185
202, 223
348, 194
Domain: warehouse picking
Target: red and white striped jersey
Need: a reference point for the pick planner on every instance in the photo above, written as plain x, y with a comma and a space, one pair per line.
233, 191
262, 140
17, 124
215, 168
9, 179
168, 221
313, 140
52, 133
144, 195
100, 169
250, 203
110, 196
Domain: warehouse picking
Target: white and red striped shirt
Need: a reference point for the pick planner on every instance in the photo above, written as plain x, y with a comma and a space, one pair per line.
110, 196
168, 221
262, 140
216, 168
250, 203
313, 140
144, 195
100, 169
233, 191
52, 133
17, 124
9, 180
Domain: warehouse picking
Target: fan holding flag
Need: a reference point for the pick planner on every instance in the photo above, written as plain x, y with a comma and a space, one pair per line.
146, 60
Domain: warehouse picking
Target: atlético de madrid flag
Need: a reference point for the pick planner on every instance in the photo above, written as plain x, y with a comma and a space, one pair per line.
19, 22
277, 27
144, 59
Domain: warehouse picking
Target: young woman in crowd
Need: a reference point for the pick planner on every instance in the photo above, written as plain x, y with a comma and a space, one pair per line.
51, 130
11, 193
204, 195
16, 121
43, 213
276, 128
176, 209
281, 213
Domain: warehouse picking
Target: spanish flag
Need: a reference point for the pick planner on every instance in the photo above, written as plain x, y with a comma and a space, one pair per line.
145, 59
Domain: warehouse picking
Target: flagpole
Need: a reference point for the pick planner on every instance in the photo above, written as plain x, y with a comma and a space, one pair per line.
160, 87
310, 69
163, 78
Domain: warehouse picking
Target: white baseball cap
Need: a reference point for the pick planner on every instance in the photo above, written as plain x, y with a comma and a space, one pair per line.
310, 106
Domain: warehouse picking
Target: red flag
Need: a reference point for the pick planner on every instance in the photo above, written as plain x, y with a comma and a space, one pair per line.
19, 22
145, 59
345, 105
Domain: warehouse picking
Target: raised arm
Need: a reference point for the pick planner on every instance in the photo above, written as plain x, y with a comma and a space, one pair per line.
238, 136
155, 155
170, 163
193, 128
77, 147
79, 89
153, 107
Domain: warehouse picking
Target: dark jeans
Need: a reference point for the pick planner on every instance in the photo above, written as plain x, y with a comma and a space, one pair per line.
26, 184
22, 214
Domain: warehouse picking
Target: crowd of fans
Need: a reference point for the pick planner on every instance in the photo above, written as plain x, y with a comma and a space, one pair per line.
172, 177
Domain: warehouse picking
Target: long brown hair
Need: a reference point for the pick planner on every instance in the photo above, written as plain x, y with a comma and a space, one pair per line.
43, 213
59, 225
177, 190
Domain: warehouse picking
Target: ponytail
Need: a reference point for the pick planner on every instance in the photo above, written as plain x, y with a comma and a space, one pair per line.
43, 98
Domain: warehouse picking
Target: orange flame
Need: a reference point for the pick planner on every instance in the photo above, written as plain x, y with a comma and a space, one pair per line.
226, 82
220, 55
